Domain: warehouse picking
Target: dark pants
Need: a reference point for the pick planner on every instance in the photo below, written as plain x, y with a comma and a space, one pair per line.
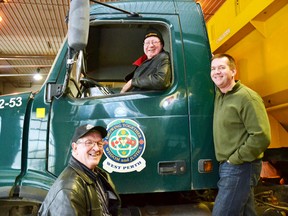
236, 189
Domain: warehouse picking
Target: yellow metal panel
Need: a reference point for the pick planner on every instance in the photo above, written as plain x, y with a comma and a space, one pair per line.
262, 59
280, 113
279, 136
232, 17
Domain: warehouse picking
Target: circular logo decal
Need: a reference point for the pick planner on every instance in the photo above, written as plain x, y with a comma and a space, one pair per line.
125, 144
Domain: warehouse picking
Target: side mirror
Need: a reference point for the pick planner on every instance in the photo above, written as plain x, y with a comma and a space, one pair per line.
78, 24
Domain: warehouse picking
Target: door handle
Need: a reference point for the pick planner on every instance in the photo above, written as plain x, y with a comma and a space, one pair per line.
171, 167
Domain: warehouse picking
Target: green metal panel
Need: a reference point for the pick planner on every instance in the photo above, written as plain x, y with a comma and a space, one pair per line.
12, 115
35, 171
166, 137
200, 91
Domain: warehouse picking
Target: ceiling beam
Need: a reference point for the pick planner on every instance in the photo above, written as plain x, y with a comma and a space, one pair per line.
24, 66
27, 57
18, 75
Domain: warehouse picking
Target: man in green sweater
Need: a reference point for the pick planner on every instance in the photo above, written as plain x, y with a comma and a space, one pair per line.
241, 134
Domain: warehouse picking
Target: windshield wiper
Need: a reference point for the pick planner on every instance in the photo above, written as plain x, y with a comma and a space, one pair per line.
133, 14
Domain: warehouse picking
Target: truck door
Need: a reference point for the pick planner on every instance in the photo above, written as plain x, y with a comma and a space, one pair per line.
153, 126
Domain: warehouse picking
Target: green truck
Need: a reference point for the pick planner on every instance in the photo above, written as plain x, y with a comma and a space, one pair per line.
171, 162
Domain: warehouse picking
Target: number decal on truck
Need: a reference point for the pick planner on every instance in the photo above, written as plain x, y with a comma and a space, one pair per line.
11, 103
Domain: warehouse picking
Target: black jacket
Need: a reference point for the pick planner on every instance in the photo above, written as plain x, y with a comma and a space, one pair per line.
153, 74
74, 193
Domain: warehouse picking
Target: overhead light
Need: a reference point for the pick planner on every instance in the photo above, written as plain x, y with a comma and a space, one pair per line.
38, 76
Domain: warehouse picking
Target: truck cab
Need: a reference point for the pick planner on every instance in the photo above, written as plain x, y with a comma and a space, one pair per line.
159, 142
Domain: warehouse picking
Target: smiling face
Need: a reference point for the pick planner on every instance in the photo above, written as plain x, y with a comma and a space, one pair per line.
152, 46
222, 74
88, 155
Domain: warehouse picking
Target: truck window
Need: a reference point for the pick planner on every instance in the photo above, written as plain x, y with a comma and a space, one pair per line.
110, 53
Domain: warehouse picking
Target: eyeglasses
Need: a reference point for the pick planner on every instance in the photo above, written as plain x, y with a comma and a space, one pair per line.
151, 42
91, 144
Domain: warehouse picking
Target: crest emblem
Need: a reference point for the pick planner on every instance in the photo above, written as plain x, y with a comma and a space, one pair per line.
125, 144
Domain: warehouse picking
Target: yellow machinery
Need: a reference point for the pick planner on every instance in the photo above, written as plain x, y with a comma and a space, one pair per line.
255, 33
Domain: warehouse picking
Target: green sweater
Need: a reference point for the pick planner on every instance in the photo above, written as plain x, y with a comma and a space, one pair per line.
241, 126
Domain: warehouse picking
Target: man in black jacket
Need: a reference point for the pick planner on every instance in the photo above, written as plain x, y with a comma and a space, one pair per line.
83, 188
153, 69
